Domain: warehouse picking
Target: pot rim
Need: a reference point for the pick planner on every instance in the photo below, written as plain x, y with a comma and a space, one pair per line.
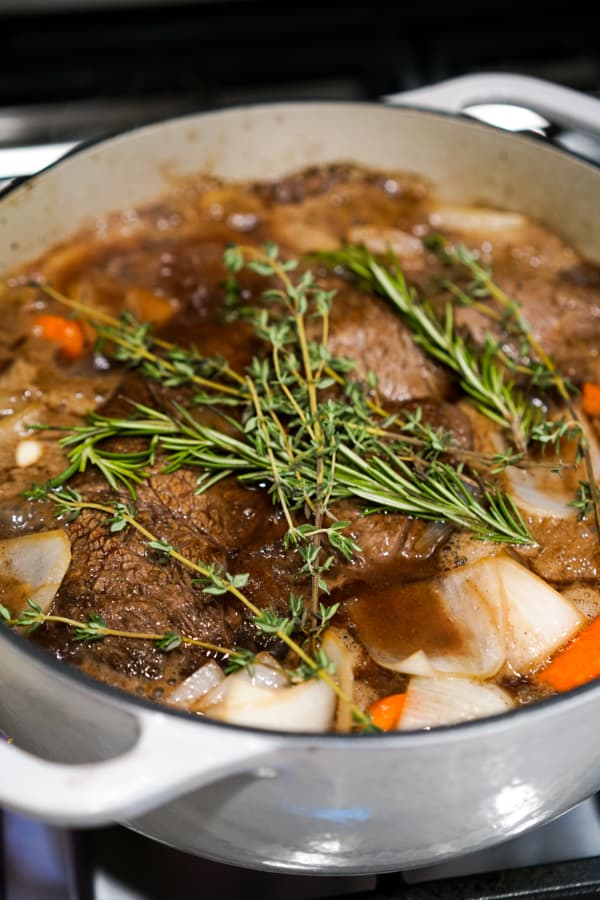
445, 733
236, 107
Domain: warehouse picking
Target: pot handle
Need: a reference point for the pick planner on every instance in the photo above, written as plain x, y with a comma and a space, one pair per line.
559, 105
169, 758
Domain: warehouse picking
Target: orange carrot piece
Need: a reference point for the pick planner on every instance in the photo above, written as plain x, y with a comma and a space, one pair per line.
148, 307
385, 712
591, 398
578, 663
67, 333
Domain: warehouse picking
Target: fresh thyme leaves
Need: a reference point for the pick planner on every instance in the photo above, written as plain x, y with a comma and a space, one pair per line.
300, 621
323, 667
583, 503
239, 659
213, 577
96, 629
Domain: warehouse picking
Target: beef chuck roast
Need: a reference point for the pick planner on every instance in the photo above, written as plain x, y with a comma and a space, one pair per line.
366, 329
135, 588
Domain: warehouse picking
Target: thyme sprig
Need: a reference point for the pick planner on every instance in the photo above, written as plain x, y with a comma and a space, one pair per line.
213, 580
96, 628
136, 345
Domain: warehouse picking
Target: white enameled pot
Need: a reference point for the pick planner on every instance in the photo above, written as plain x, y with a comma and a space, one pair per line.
84, 754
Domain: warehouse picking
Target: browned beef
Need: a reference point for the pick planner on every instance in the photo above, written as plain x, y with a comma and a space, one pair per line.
366, 329
135, 588
567, 551
562, 308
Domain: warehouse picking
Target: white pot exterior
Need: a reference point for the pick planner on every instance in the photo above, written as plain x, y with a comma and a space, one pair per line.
339, 805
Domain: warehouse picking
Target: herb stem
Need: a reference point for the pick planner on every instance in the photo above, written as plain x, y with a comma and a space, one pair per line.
117, 326
106, 631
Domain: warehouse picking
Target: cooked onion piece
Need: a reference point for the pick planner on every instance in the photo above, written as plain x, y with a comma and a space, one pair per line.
500, 613
417, 663
338, 646
266, 672
540, 620
33, 566
445, 699
309, 706
541, 493
199, 683
381, 240
467, 606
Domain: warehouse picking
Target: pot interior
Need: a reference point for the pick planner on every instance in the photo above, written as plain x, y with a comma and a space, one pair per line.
468, 162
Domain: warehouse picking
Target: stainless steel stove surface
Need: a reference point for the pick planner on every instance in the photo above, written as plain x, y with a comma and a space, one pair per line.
558, 860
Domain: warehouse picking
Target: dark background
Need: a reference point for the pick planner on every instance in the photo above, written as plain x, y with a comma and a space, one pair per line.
80, 67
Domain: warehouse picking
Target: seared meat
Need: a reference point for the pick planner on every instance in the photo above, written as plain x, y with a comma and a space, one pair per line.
366, 329
568, 551
134, 588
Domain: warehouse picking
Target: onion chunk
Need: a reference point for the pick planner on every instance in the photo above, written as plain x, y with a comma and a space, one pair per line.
33, 567
445, 700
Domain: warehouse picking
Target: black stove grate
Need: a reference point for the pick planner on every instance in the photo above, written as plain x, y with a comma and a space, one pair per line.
559, 881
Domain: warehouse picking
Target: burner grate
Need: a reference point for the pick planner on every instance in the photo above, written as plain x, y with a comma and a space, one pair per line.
561, 881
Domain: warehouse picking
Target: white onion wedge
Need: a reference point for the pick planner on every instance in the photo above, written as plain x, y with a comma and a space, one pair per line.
309, 706
540, 493
197, 685
503, 617
445, 700
33, 567
464, 634
540, 620
266, 672
336, 645
417, 663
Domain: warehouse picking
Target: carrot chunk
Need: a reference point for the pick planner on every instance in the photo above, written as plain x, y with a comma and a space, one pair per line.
385, 712
578, 663
67, 333
591, 398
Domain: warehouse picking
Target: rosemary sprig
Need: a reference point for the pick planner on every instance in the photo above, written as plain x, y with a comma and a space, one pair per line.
480, 376
540, 368
431, 489
437, 494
